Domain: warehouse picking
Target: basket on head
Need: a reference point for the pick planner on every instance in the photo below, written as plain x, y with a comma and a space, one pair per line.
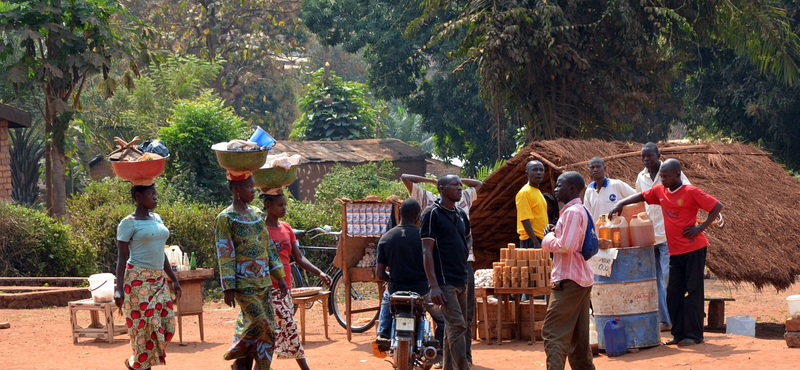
240, 161
139, 173
274, 177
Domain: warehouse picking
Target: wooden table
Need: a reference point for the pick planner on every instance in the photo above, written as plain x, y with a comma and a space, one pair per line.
301, 303
503, 295
191, 301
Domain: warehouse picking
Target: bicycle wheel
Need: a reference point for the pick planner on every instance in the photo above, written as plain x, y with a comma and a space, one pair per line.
297, 282
363, 295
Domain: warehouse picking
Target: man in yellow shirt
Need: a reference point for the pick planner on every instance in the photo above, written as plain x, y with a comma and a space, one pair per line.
531, 208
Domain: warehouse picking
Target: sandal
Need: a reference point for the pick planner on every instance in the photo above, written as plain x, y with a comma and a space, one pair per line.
671, 342
127, 365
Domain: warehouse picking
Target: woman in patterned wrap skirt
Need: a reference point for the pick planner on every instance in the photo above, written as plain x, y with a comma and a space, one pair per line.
142, 291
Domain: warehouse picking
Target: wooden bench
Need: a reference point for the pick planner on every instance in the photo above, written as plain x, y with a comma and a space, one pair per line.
716, 312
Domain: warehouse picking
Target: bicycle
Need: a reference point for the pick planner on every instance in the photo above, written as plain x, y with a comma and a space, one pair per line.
360, 292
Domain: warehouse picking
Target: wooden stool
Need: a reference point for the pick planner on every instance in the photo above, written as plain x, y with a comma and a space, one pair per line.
96, 329
301, 303
716, 312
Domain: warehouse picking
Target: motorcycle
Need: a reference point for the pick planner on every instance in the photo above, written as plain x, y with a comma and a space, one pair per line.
412, 346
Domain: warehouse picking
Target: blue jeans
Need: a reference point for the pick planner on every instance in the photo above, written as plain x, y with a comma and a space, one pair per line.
662, 280
385, 318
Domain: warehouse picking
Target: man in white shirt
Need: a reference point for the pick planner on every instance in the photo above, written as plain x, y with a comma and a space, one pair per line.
649, 177
603, 193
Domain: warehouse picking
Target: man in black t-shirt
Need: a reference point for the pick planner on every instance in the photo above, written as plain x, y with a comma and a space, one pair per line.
445, 232
400, 249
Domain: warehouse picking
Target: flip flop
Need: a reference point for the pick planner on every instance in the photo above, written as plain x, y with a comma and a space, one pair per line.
672, 342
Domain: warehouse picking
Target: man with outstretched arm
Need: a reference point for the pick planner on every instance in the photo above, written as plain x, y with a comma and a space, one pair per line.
645, 180
687, 248
445, 232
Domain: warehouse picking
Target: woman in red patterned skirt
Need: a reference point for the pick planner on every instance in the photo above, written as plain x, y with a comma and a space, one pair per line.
142, 291
287, 338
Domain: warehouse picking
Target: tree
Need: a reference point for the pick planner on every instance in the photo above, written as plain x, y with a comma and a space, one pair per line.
333, 109
248, 38
581, 67
54, 46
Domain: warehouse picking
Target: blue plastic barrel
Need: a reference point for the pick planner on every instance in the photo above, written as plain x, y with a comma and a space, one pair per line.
615, 338
631, 295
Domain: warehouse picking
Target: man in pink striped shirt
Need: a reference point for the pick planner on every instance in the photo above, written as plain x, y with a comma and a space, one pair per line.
566, 325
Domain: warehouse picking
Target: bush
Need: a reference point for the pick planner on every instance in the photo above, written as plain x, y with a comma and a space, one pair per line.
96, 213
196, 126
33, 244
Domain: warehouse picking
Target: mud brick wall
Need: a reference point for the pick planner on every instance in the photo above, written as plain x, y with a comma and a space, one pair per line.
5, 163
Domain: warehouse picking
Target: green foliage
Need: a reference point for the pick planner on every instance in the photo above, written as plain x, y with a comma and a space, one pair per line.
195, 126
27, 151
95, 214
335, 110
248, 38
33, 244
485, 171
54, 47
406, 126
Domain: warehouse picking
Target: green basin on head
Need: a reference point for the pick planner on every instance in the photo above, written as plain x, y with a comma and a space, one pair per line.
274, 177
241, 161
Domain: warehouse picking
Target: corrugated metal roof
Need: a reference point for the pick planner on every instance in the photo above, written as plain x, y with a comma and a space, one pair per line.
353, 151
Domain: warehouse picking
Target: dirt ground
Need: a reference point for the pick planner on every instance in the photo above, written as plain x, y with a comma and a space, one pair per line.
40, 339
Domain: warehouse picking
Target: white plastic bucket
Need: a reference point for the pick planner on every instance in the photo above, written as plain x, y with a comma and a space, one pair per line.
741, 325
102, 287
794, 306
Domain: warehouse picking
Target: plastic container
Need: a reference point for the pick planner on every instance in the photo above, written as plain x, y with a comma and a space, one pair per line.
632, 209
616, 341
262, 138
741, 325
175, 256
794, 306
602, 227
642, 231
102, 287
618, 230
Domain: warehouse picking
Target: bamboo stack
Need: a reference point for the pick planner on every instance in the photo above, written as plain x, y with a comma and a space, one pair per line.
522, 268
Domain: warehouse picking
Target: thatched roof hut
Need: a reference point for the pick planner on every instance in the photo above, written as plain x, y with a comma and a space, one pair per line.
759, 243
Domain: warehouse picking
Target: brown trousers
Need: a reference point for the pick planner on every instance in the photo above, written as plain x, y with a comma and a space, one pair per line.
566, 327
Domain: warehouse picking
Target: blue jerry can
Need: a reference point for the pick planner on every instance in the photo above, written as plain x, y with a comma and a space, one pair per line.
616, 341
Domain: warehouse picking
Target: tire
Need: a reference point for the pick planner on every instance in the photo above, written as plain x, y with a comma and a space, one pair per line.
363, 295
402, 356
297, 282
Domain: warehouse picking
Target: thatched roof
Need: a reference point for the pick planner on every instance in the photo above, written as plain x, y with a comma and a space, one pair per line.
351, 151
759, 243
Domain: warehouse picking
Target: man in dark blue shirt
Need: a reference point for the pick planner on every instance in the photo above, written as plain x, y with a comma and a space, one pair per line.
445, 232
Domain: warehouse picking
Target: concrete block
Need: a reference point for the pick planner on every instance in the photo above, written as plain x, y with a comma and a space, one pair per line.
792, 339
793, 325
